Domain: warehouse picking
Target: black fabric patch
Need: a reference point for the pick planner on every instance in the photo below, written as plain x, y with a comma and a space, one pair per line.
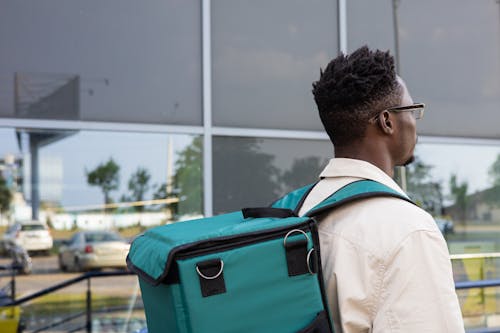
319, 325
173, 275
267, 212
211, 268
296, 257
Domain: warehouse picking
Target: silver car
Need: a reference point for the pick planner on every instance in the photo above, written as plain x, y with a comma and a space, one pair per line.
88, 250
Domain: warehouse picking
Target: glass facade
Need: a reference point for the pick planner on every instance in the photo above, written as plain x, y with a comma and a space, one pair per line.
111, 117
119, 61
453, 62
263, 67
254, 172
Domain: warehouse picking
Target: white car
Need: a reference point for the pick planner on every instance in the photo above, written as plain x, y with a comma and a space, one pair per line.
33, 236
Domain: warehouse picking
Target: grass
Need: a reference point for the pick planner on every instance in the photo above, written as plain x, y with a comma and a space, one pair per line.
66, 304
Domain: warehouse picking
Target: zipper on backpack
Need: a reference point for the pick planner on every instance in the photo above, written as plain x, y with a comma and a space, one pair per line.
233, 242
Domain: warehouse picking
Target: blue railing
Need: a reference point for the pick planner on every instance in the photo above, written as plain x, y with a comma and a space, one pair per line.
88, 299
479, 284
88, 313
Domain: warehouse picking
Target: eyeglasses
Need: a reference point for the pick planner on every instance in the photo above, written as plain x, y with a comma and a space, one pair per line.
417, 110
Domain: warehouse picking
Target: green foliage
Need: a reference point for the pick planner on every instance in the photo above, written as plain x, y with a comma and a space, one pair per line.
5, 196
246, 176
459, 194
160, 191
187, 179
422, 187
492, 195
138, 185
106, 176
494, 172
303, 171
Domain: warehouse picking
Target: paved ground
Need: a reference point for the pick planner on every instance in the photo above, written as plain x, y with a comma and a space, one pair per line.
46, 273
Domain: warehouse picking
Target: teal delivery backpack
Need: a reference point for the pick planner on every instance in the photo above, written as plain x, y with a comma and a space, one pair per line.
256, 270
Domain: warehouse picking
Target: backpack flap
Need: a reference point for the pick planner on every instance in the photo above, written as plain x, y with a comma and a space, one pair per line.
152, 255
354, 191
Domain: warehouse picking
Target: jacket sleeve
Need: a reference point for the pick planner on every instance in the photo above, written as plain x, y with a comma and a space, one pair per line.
417, 292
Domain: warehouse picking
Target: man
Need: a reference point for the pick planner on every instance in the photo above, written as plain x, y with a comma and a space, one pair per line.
385, 263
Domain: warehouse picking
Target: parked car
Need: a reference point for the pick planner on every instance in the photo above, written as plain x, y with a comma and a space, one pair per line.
21, 261
445, 225
33, 236
88, 250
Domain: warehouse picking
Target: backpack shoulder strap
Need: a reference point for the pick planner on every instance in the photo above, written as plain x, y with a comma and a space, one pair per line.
355, 191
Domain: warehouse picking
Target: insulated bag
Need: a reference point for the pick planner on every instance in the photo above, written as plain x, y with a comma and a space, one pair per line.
250, 271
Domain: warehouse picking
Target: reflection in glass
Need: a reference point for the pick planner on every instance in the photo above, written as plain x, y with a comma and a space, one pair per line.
452, 63
70, 178
265, 60
460, 183
370, 23
119, 61
255, 172
87, 180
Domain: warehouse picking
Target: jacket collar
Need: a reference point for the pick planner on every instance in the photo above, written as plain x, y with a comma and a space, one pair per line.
347, 167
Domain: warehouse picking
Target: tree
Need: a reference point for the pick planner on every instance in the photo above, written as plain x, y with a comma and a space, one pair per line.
187, 179
459, 194
106, 176
5, 195
138, 185
423, 188
494, 172
303, 171
244, 175
492, 195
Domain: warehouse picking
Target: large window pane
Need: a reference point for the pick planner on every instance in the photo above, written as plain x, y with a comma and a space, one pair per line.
253, 172
82, 181
459, 184
266, 54
121, 61
370, 23
101, 179
452, 62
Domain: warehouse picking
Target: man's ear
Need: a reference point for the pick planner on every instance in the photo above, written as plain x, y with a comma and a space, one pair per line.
385, 122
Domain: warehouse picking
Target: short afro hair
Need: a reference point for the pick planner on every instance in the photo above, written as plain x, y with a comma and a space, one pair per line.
352, 89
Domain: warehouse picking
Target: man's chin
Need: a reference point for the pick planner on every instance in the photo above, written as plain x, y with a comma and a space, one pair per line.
409, 161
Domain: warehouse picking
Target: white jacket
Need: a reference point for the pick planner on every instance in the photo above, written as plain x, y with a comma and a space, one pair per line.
385, 263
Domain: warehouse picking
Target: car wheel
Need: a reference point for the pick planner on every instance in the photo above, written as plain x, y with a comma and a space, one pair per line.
78, 265
26, 270
62, 266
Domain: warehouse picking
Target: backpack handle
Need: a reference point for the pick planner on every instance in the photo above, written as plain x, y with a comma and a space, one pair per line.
267, 212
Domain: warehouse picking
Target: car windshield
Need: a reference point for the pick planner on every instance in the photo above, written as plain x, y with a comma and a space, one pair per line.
32, 227
101, 237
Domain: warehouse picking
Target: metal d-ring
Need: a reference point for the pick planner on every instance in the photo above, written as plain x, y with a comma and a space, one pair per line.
211, 277
293, 231
309, 261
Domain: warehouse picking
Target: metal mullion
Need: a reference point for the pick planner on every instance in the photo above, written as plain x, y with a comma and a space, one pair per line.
207, 108
269, 133
342, 25
98, 126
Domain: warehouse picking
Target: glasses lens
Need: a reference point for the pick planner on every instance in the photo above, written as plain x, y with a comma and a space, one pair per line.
418, 113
